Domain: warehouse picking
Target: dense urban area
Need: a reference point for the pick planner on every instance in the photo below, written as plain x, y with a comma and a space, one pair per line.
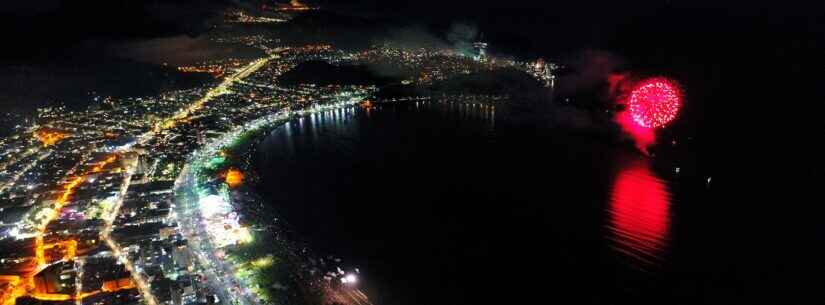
130, 201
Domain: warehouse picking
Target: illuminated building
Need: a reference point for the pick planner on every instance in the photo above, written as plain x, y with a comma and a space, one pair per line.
56, 279
118, 284
97, 186
480, 49
50, 137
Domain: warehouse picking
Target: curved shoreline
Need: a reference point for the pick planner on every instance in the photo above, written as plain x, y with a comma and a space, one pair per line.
220, 272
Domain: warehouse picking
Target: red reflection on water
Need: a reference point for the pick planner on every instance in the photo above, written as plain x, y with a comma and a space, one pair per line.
639, 213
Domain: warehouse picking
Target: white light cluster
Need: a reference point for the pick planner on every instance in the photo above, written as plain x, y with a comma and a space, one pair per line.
222, 223
349, 279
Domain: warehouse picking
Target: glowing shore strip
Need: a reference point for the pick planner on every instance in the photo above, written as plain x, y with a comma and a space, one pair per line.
214, 147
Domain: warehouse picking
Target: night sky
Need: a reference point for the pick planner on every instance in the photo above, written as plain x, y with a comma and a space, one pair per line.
720, 50
540, 26
662, 36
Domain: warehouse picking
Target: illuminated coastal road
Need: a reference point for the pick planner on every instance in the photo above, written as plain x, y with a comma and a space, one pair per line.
347, 295
219, 273
222, 88
16, 282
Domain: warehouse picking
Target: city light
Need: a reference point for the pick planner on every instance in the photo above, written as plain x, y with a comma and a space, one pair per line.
234, 177
127, 165
222, 223
50, 137
263, 262
349, 279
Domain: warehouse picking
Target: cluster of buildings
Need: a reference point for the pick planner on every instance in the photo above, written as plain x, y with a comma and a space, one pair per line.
89, 205
87, 198
427, 65
423, 66
240, 16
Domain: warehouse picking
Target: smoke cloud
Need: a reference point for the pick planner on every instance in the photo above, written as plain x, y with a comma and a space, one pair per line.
178, 50
590, 69
603, 73
461, 37
412, 37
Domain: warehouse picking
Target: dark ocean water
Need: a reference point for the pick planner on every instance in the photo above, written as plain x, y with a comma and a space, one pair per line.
449, 205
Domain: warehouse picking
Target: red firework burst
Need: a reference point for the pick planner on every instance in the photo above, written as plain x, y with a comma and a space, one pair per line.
655, 102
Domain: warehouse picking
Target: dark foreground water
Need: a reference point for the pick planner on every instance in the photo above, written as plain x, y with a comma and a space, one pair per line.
445, 205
